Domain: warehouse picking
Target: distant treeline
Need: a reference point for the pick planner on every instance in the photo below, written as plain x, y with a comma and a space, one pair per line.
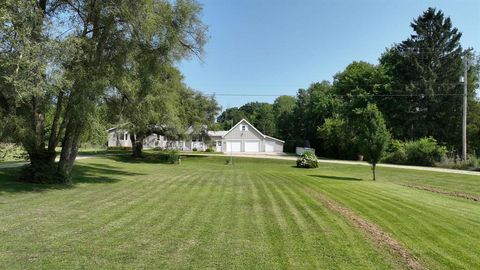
416, 86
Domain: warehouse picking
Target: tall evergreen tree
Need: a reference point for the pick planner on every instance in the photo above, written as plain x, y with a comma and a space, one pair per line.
425, 70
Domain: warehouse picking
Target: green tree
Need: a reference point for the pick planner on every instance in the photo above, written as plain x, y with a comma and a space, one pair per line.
259, 114
65, 55
337, 138
314, 106
283, 110
24, 51
147, 101
359, 75
371, 134
264, 119
198, 113
425, 70
230, 117
473, 116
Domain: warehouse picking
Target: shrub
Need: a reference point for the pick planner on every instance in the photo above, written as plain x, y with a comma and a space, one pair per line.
307, 160
453, 161
10, 151
336, 141
173, 156
194, 149
422, 152
210, 150
396, 153
425, 152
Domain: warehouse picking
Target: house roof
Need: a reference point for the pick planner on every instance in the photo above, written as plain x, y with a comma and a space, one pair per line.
222, 133
275, 139
219, 133
261, 134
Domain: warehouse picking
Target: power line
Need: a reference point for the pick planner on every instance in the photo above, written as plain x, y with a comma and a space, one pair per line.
351, 95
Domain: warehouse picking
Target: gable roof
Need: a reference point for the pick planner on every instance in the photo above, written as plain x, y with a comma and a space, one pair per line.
254, 128
275, 139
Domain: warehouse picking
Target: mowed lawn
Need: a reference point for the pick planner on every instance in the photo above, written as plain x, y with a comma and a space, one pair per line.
256, 214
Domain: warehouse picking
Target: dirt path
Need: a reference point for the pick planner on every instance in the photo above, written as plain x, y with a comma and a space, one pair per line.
458, 194
377, 235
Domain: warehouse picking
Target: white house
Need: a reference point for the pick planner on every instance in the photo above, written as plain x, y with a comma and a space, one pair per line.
242, 138
120, 137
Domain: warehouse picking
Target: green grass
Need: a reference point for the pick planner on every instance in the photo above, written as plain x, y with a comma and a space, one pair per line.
11, 161
257, 214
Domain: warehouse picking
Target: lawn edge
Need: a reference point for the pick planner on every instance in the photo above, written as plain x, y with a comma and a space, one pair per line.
455, 194
379, 237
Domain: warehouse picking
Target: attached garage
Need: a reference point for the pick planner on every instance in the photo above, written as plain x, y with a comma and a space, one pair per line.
269, 146
234, 146
252, 146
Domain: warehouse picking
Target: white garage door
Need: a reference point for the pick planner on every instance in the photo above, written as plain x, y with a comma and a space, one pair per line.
252, 146
269, 147
234, 146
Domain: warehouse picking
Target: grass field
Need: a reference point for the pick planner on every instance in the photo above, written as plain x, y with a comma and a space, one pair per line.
256, 214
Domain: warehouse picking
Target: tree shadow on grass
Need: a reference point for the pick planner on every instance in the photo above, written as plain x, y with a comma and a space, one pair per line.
198, 156
9, 183
331, 177
90, 174
99, 173
152, 158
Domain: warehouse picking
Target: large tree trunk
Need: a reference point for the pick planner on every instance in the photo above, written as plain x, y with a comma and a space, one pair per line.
41, 168
69, 152
54, 131
137, 145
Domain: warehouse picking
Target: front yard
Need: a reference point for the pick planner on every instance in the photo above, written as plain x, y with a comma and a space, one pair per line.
256, 214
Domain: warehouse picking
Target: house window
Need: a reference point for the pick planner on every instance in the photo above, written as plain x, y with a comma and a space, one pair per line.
159, 137
243, 128
123, 136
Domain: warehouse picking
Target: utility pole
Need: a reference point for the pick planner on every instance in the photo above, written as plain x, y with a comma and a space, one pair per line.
464, 120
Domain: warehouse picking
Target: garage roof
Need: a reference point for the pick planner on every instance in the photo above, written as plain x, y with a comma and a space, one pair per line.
263, 135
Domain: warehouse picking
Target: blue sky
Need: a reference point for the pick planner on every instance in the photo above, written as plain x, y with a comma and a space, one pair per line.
273, 47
